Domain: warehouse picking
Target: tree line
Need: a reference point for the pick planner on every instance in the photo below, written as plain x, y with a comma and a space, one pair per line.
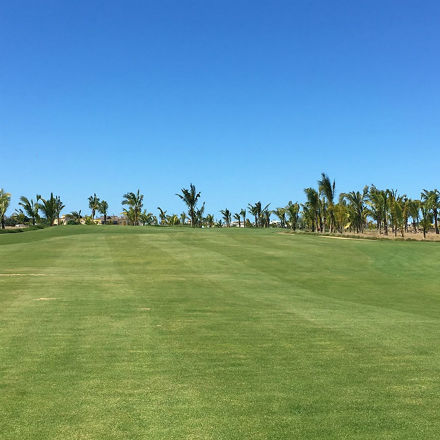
384, 210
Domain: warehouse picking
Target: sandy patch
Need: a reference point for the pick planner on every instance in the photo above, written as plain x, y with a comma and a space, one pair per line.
44, 299
341, 238
146, 309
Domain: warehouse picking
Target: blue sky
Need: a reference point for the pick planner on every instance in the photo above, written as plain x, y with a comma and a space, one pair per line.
249, 100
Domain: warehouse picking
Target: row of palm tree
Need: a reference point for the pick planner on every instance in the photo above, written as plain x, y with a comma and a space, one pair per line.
48, 209
385, 207
322, 211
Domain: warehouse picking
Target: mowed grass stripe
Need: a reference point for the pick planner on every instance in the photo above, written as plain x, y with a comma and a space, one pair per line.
249, 334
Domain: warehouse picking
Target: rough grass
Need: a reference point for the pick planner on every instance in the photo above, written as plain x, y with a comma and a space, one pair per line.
148, 333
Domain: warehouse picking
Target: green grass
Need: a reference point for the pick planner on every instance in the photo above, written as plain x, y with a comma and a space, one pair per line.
250, 334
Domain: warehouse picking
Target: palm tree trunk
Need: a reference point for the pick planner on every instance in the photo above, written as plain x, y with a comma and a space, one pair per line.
435, 221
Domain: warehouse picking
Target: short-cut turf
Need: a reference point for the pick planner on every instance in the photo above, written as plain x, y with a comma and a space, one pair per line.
171, 333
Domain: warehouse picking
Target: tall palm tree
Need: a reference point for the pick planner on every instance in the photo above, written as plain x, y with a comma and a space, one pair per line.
173, 220
243, 216
51, 208
397, 212
356, 209
135, 202
147, 218
432, 202
190, 196
226, 216
313, 207
255, 210
5, 200
199, 216
237, 217
292, 210
414, 213
94, 204
377, 207
327, 189
281, 214
209, 220
265, 216
162, 216
30, 208
426, 218
103, 208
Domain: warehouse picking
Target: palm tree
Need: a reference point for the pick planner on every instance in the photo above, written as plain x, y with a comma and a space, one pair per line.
199, 216
74, 216
183, 218
162, 216
51, 208
312, 206
432, 202
147, 218
356, 209
292, 210
243, 216
94, 204
226, 216
238, 218
173, 220
135, 203
377, 207
102, 208
209, 220
397, 212
281, 214
426, 220
414, 213
190, 196
255, 211
5, 200
327, 189
30, 208
265, 216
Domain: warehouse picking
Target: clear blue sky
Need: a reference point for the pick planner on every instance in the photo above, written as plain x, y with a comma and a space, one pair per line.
249, 100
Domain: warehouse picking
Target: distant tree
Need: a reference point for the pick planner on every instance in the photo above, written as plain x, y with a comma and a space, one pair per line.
226, 216
199, 220
94, 204
51, 208
162, 216
5, 200
311, 208
432, 202
426, 218
255, 210
147, 218
327, 189
135, 203
357, 210
30, 208
281, 214
243, 216
103, 208
237, 217
292, 210
190, 197
74, 217
265, 216
173, 220
209, 220
183, 218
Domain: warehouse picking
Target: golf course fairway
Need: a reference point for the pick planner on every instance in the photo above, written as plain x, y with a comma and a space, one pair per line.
112, 332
